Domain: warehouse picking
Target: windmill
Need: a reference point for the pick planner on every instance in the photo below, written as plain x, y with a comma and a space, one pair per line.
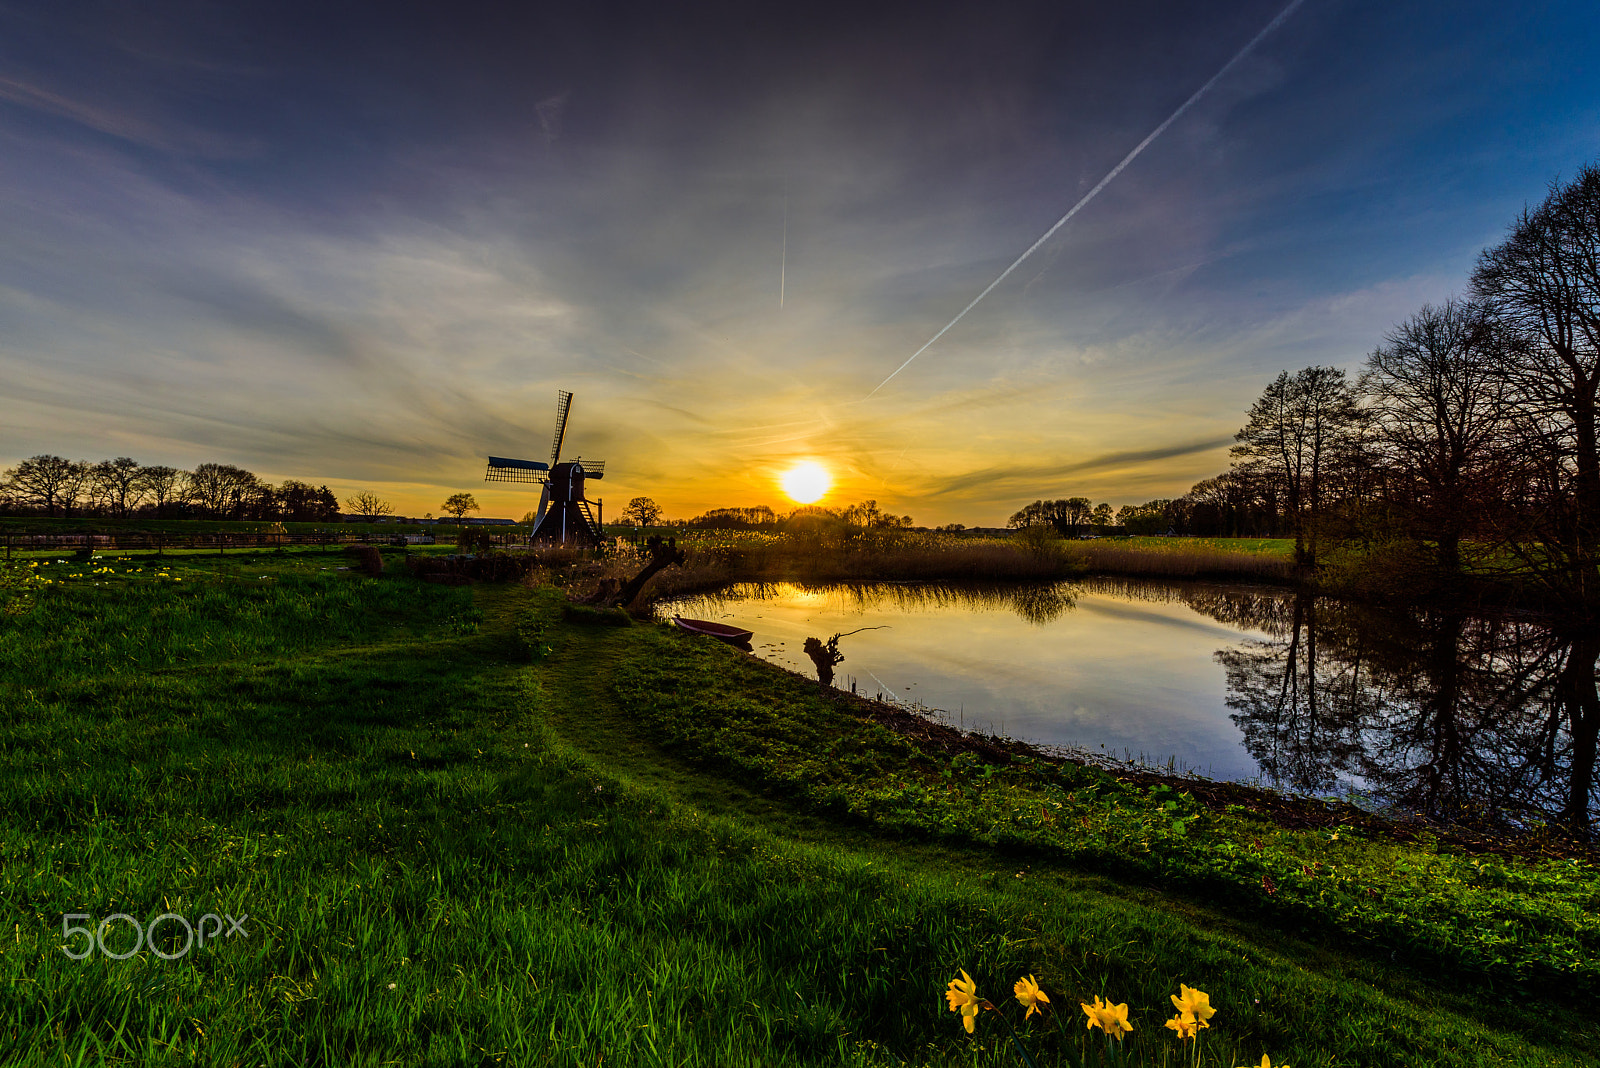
564, 515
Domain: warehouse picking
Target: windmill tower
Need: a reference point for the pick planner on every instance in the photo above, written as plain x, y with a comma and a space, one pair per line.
564, 517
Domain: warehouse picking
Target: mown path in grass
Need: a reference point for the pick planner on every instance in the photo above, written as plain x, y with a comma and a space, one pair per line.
451, 854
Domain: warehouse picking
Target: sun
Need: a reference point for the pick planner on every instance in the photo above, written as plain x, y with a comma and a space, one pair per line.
806, 482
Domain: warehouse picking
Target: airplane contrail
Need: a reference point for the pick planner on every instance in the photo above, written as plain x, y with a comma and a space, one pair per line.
1090, 195
783, 263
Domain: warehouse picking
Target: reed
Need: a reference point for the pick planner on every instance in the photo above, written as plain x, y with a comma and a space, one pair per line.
1180, 561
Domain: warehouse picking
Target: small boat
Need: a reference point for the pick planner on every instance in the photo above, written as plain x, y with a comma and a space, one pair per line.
719, 631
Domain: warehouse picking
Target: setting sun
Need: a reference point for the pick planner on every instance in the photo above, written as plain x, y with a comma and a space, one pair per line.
806, 482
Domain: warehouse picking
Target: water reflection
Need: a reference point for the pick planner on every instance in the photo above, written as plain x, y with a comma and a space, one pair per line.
1037, 603
1460, 717
1463, 717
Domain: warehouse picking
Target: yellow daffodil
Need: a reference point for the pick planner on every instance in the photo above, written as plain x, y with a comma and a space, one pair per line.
1266, 1062
962, 995
1112, 1019
1030, 995
1185, 1025
1195, 1004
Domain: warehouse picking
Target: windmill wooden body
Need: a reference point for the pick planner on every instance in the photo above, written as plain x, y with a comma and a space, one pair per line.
564, 517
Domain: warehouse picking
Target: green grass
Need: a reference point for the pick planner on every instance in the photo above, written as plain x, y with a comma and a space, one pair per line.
1484, 920
453, 853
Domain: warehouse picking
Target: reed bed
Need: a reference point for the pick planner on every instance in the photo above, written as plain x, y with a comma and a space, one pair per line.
713, 565
1180, 561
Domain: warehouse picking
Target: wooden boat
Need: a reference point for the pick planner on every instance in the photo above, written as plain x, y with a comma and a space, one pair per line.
720, 631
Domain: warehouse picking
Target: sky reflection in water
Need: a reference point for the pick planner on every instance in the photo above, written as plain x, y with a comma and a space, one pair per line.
1431, 710
1126, 667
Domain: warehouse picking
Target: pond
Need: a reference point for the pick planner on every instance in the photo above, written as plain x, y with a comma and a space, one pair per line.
1446, 713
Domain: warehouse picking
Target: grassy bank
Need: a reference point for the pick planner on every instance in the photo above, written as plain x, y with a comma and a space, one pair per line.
468, 831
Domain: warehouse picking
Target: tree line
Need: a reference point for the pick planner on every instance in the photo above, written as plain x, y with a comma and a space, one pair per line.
122, 488
1471, 431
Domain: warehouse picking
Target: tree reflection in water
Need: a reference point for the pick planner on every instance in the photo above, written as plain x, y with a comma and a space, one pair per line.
1459, 717
1467, 718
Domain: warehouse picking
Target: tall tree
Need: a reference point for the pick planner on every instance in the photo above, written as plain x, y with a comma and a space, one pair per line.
1543, 282
48, 482
221, 490
117, 483
163, 485
1296, 429
1439, 410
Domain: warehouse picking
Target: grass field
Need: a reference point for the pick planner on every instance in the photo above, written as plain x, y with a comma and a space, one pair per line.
466, 830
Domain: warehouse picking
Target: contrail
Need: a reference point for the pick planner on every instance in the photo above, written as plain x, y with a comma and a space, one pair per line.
1090, 195
783, 264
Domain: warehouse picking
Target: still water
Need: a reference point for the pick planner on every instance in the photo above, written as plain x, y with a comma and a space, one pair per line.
1447, 713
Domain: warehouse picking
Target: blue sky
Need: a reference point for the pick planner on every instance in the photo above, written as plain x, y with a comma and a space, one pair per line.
365, 244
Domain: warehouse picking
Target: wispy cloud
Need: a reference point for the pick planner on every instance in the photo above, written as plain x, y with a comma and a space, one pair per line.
128, 125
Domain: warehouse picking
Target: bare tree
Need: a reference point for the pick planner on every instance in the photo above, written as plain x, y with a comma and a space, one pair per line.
221, 490
1438, 402
1296, 430
1543, 282
117, 484
163, 485
48, 482
368, 506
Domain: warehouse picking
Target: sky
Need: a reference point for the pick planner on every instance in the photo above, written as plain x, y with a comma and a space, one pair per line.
366, 244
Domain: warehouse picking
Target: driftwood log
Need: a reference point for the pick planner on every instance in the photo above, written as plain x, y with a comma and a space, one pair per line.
663, 554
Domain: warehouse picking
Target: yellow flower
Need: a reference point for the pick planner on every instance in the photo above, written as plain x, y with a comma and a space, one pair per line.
1112, 1019
1029, 994
1185, 1025
1266, 1062
962, 995
1194, 1004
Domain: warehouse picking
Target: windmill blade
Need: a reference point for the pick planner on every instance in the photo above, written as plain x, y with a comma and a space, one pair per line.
563, 405
544, 504
505, 469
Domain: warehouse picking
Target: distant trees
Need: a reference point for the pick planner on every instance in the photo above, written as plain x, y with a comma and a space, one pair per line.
300, 502
117, 485
642, 512
458, 505
222, 491
368, 506
1068, 515
121, 487
868, 516
47, 482
758, 517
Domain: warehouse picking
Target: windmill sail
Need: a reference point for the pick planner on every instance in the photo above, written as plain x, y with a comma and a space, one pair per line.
563, 406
